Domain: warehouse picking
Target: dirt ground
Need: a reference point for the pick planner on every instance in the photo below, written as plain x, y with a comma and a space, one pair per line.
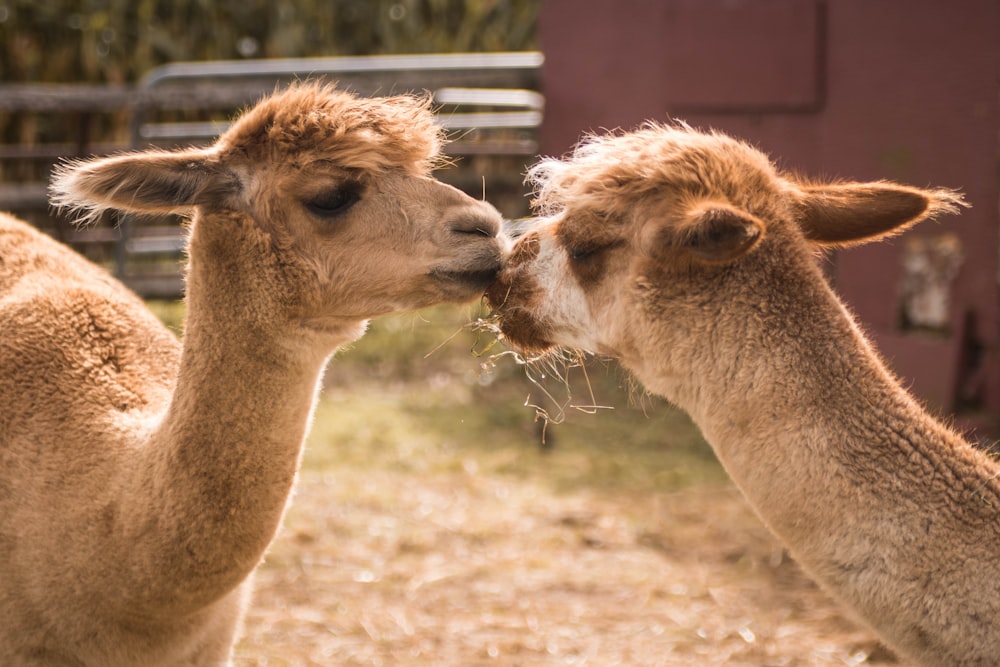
466, 568
429, 528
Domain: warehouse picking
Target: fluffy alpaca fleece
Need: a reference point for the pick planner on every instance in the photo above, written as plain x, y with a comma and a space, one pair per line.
142, 478
691, 259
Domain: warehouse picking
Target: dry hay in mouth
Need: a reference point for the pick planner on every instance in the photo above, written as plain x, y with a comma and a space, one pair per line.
554, 365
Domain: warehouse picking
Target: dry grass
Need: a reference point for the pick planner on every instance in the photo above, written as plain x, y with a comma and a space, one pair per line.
430, 528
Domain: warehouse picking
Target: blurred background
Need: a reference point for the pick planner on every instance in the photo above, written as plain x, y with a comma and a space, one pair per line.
118, 41
851, 89
455, 506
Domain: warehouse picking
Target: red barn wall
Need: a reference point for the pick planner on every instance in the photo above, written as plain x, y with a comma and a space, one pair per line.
905, 90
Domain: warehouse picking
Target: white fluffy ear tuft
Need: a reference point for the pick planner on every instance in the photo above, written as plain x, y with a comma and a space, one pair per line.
719, 233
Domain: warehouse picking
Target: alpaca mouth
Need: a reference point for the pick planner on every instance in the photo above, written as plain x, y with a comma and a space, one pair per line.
475, 279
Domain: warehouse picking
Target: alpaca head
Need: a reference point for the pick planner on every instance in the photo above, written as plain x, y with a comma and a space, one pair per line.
652, 232
315, 198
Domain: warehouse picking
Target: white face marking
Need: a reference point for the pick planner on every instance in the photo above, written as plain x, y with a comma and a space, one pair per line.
564, 308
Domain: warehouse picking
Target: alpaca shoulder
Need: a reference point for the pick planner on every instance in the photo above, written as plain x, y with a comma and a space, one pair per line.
73, 339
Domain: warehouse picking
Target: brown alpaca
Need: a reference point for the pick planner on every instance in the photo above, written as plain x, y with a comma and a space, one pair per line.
691, 259
141, 480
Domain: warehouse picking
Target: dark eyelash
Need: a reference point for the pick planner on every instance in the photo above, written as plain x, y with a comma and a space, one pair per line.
581, 254
584, 253
333, 202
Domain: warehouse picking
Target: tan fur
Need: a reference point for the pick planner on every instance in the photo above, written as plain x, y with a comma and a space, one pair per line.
690, 258
141, 479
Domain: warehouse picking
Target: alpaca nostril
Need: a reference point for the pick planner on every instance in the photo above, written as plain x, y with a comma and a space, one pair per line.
476, 227
480, 230
477, 219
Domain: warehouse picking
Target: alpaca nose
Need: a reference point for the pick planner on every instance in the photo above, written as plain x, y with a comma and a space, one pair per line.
480, 219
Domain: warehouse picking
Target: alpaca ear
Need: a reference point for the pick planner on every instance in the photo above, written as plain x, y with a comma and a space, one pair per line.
148, 182
718, 233
854, 213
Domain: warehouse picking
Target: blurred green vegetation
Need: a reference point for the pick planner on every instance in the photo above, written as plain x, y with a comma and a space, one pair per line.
430, 392
117, 41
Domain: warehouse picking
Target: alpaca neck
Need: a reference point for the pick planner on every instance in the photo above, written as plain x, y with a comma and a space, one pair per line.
803, 392
225, 456
875, 498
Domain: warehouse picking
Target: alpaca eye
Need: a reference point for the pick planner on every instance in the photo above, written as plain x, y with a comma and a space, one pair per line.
593, 250
333, 203
584, 253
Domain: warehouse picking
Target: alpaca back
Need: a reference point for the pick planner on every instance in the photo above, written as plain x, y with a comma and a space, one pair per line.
83, 365
73, 339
